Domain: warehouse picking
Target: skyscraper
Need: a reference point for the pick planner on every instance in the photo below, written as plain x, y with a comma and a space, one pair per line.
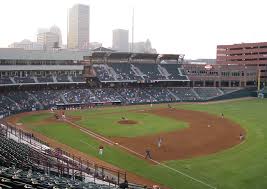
78, 27
120, 40
49, 40
56, 30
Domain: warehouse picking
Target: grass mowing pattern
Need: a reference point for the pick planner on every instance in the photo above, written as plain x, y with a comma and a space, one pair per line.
244, 166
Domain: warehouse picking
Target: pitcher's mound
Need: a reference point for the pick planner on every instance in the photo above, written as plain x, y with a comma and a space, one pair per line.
127, 122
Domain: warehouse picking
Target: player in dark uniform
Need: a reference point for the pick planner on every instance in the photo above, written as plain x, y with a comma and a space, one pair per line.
148, 155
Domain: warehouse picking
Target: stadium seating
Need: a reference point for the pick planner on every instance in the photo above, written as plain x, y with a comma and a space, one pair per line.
184, 94
160, 94
107, 95
19, 101
103, 73
150, 71
23, 100
45, 79
228, 90
135, 72
207, 93
135, 95
19, 169
175, 72
62, 78
5, 80
81, 96
125, 72
78, 78
48, 98
24, 80
7, 106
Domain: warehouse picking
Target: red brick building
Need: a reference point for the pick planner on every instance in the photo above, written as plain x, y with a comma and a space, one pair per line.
244, 53
249, 54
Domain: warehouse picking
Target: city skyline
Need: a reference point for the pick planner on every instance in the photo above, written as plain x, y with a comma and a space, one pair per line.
190, 27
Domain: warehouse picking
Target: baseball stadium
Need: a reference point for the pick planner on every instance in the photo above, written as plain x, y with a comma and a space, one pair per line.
109, 119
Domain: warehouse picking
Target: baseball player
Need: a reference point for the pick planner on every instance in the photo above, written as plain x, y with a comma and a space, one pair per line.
241, 136
159, 142
101, 149
148, 155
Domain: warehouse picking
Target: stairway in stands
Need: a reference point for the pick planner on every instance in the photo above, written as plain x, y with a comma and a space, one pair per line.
163, 72
137, 72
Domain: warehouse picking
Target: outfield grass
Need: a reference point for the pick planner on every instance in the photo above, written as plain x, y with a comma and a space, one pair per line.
241, 167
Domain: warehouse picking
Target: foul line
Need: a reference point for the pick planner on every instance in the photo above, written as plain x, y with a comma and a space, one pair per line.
95, 135
110, 142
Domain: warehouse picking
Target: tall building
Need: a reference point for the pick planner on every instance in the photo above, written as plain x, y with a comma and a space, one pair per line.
56, 30
143, 47
94, 45
26, 45
120, 40
78, 27
49, 40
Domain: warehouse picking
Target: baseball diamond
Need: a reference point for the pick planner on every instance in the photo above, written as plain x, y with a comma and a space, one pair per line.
131, 120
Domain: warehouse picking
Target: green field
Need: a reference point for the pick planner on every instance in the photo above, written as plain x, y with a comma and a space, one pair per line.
105, 123
242, 167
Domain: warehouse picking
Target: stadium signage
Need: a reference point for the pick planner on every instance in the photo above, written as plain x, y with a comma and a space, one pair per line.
208, 67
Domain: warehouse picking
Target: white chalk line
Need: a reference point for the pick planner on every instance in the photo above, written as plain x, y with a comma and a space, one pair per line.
95, 135
128, 149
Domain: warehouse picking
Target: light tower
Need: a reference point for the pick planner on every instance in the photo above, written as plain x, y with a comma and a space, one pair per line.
132, 46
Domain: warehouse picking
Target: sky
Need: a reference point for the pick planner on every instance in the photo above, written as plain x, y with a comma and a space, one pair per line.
190, 27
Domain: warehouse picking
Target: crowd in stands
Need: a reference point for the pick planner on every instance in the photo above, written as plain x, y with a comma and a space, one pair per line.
41, 79
13, 102
107, 95
81, 96
135, 95
103, 73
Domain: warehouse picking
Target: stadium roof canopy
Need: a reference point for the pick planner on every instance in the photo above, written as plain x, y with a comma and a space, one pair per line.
21, 54
144, 56
99, 54
102, 49
170, 56
119, 55
127, 55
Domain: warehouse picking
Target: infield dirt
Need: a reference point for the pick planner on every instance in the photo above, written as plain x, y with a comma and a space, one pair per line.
206, 134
